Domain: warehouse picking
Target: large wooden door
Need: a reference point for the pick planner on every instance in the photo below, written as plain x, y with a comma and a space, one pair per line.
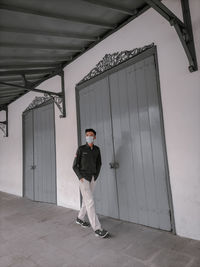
124, 109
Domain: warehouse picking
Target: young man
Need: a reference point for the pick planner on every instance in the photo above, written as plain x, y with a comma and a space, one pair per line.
87, 165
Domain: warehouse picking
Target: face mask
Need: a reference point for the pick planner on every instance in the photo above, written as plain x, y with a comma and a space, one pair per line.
89, 139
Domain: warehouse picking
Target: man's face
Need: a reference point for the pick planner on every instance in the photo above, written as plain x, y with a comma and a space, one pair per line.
90, 134
90, 137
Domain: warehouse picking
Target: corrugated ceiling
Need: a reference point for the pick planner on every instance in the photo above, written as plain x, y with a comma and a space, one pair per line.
38, 38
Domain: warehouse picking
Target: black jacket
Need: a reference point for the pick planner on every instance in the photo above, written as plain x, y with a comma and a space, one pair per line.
87, 162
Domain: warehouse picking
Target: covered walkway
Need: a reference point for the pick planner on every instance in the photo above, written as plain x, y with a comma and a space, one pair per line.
45, 235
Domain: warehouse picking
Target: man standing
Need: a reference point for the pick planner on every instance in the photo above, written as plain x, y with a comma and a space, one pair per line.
87, 165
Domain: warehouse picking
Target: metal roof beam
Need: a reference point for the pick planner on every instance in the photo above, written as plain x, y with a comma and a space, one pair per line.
35, 58
3, 107
31, 89
111, 6
68, 35
7, 79
58, 98
6, 97
27, 83
10, 95
183, 29
29, 66
11, 92
41, 46
56, 16
188, 40
164, 11
62, 76
20, 72
8, 88
28, 63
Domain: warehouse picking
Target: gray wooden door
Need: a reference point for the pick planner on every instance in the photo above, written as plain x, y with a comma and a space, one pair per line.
95, 113
40, 174
125, 111
138, 144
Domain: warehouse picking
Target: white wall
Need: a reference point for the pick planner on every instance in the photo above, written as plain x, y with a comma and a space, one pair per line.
180, 92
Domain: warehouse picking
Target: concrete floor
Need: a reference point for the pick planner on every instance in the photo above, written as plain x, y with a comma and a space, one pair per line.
44, 235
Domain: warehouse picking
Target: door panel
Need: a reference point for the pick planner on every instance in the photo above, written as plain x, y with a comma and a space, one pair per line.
141, 176
157, 141
44, 154
95, 113
28, 155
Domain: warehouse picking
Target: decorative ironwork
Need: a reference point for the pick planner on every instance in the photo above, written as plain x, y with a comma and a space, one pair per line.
4, 124
111, 60
58, 98
39, 100
3, 128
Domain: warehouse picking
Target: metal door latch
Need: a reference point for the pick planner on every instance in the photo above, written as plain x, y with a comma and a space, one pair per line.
114, 165
33, 167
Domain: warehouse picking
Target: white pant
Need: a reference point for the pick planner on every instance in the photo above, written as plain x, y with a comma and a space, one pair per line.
87, 189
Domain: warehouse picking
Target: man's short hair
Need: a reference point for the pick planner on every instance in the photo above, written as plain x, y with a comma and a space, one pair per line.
90, 130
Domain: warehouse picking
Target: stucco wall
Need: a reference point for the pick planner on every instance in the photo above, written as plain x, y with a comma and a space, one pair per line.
180, 92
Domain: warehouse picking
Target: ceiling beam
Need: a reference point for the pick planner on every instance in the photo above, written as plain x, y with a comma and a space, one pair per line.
27, 63
10, 79
6, 97
41, 46
31, 89
10, 94
3, 107
44, 14
68, 35
183, 29
190, 49
28, 66
5, 103
11, 91
20, 72
36, 58
6, 88
164, 11
111, 6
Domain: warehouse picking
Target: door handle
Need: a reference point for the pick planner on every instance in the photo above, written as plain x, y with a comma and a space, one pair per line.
33, 167
114, 165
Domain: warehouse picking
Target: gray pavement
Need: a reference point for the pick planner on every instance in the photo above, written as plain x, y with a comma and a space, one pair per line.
45, 235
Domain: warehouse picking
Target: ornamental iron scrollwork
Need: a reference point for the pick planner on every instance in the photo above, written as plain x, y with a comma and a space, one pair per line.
112, 60
3, 128
39, 100
4, 124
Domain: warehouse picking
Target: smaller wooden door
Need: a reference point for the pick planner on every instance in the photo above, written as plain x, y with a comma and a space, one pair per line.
39, 154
